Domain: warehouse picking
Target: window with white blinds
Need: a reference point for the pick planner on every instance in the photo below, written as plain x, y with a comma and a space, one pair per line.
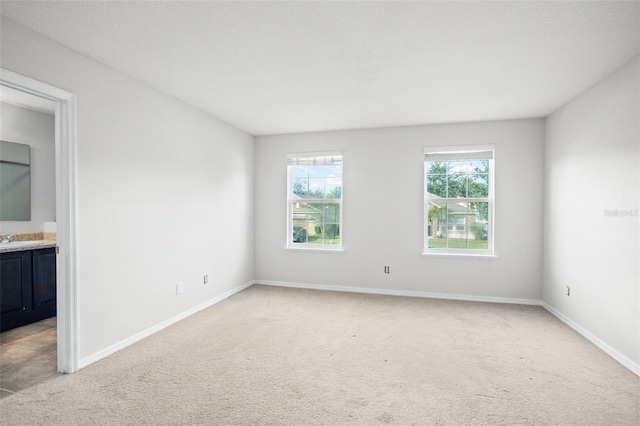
314, 200
459, 200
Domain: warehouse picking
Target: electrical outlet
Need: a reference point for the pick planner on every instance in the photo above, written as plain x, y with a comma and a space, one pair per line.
179, 288
386, 270
205, 279
568, 291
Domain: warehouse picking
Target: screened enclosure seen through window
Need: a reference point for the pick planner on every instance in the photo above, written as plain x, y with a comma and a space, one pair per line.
314, 201
459, 199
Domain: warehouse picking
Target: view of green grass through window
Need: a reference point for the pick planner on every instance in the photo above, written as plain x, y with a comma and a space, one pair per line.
315, 198
457, 200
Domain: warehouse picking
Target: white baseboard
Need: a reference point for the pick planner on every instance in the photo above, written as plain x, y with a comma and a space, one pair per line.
164, 324
390, 292
635, 368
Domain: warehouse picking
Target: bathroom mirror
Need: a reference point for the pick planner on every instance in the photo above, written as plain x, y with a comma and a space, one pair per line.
15, 182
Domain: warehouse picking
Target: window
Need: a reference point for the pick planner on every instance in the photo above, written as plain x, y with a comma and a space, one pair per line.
314, 201
459, 200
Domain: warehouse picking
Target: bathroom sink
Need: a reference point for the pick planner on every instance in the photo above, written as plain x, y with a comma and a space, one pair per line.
20, 243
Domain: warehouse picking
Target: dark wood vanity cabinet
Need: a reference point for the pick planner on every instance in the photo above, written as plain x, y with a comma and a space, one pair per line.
44, 281
16, 276
27, 287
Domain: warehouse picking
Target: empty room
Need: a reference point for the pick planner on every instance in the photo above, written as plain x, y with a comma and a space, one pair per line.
320, 212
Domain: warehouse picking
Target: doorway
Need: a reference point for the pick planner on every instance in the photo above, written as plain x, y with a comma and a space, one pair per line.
66, 211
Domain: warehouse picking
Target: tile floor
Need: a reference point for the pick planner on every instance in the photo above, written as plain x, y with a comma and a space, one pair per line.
28, 355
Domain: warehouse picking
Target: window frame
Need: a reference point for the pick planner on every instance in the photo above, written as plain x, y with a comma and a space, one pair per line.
459, 150
289, 244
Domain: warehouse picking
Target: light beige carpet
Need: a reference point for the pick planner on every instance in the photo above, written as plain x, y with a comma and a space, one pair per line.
276, 356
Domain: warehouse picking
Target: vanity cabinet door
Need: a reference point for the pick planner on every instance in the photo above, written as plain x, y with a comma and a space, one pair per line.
44, 283
15, 288
44, 280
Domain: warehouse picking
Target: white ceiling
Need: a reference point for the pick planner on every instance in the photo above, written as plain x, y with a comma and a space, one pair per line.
283, 67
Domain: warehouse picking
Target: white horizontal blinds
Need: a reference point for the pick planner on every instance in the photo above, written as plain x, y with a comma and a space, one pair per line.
320, 160
458, 156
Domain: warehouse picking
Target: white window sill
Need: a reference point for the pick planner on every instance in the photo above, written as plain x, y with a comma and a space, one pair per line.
460, 255
316, 249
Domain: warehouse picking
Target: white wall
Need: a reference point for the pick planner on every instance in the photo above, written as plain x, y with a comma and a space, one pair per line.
36, 129
383, 212
591, 165
165, 195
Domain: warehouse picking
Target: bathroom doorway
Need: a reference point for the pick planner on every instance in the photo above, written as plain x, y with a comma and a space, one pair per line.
28, 323
65, 200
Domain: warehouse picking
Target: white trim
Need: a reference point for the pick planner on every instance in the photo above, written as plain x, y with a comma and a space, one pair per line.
459, 255
164, 324
406, 293
316, 249
66, 211
613, 353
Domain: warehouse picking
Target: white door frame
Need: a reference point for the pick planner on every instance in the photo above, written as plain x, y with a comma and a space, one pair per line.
66, 211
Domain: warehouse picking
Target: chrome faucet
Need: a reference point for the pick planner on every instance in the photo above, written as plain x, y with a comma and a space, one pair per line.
7, 239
